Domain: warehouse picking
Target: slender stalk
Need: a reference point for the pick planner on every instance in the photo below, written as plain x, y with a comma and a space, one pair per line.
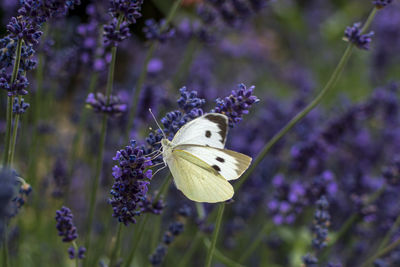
6, 159
211, 250
298, 117
255, 244
78, 136
99, 163
115, 250
193, 247
220, 256
138, 89
163, 188
142, 77
381, 253
184, 66
139, 234
329, 85
14, 135
76, 256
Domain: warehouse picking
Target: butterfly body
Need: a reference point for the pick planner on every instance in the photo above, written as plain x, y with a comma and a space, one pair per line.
200, 165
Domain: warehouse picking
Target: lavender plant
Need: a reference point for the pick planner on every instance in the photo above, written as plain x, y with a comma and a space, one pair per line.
78, 79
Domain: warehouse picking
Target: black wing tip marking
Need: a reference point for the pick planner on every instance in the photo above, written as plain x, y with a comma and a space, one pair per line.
220, 159
215, 167
221, 121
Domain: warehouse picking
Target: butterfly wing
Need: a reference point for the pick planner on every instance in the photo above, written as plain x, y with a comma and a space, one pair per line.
208, 130
230, 164
196, 179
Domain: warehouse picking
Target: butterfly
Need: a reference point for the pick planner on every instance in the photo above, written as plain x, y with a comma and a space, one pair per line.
200, 165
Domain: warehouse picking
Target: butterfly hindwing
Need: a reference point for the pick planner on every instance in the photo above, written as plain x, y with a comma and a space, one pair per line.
228, 163
197, 180
208, 130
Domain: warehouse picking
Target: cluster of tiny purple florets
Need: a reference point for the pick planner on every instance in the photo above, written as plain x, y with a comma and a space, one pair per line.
118, 28
99, 103
354, 35
131, 177
65, 225
237, 104
80, 254
190, 108
157, 31
18, 87
174, 229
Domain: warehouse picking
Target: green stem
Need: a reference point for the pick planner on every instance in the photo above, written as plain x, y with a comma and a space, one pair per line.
299, 116
14, 135
193, 247
255, 243
95, 184
381, 253
211, 250
163, 188
184, 66
220, 256
142, 77
330, 84
392, 230
78, 136
99, 163
114, 253
6, 159
76, 256
138, 89
139, 233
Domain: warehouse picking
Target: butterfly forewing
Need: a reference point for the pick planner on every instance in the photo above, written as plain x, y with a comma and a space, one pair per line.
228, 163
197, 180
208, 130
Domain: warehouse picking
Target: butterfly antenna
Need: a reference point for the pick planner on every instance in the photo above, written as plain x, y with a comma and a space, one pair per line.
157, 123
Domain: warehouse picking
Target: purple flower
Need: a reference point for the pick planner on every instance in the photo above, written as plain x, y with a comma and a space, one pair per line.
310, 261
113, 107
16, 88
158, 256
131, 178
155, 31
353, 35
321, 224
148, 204
20, 107
237, 104
130, 9
65, 225
72, 253
381, 3
7, 50
112, 35
23, 29
175, 228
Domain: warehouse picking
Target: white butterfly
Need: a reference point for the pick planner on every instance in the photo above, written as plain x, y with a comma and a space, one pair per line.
200, 165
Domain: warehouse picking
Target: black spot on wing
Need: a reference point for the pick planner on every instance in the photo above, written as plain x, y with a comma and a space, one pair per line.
220, 159
218, 169
221, 123
208, 134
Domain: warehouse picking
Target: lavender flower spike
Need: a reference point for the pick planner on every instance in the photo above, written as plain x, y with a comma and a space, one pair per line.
65, 225
131, 178
353, 35
237, 104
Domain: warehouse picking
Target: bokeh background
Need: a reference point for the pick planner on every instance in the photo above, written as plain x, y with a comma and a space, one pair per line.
346, 149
